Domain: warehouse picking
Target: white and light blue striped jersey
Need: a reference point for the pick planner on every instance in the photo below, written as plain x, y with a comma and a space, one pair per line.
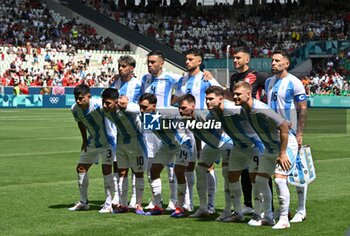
235, 123
101, 131
131, 88
195, 85
129, 127
172, 137
215, 138
161, 86
282, 96
265, 122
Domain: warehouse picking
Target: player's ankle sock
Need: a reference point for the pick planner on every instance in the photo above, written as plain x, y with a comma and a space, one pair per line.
133, 187
116, 188
123, 189
139, 185
181, 192
109, 187
212, 183
302, 193
156, 185
202, 186
236, 194
257, 200
190, 183
172, 184
262, 185
283, 195
228, 203
83, 183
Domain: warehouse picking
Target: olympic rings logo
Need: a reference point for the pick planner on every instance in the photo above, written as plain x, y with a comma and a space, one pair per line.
54, 100
326, 101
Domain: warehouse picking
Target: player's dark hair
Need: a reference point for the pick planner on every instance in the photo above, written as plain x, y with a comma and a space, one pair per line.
151, 98
217, 90
282, 52
196, 52
157, 53
81, 89
128, 60
187, 97
241, 49
110, 93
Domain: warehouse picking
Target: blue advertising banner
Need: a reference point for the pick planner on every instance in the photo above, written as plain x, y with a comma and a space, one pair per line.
54, 101
66, 101
330, 101
8, 101
70, 100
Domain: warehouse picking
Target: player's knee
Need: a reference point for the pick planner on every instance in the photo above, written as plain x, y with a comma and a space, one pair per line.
81, 169
261, 180
233, 176
139, 175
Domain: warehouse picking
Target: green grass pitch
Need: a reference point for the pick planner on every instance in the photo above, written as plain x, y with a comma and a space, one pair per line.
39, 149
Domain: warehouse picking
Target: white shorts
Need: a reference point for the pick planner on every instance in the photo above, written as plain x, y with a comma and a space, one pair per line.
131, 156
92, 155
268, 159
210, 155
241, 158
152, 142
179, 155
194, 153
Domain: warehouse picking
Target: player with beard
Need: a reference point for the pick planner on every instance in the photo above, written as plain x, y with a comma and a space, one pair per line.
195, 82
241, 59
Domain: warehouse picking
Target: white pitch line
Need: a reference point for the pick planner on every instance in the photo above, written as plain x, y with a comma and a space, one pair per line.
36, 154
334, 159
42, 138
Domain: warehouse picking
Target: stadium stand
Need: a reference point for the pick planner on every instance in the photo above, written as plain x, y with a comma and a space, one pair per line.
262, 28
42, 48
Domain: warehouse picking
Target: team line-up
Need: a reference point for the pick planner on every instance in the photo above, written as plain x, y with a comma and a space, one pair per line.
136, 125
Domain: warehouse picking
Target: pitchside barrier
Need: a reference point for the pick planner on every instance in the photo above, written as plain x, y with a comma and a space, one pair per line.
36, 100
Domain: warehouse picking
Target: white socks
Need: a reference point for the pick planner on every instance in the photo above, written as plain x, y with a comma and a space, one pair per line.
235, 194
190, 183
139, 186
212, 183
83, 183
123, 190
283, 195
109, 187
302, 192
157, 192
228, 204
116, 189
202, 186
257, 198
181, 192
133, 187
172, 184
262, 186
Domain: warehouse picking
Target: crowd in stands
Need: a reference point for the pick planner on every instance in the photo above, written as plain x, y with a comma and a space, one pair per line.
261, 28
332, 80
71, 71
35, 34
33, 22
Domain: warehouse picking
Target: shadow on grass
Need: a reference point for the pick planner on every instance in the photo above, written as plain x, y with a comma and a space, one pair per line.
94, 205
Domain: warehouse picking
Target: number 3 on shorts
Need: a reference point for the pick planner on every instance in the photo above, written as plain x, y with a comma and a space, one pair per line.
109, 153
256, 160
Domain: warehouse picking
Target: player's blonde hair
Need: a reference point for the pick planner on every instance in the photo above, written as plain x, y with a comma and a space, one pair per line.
242, 84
